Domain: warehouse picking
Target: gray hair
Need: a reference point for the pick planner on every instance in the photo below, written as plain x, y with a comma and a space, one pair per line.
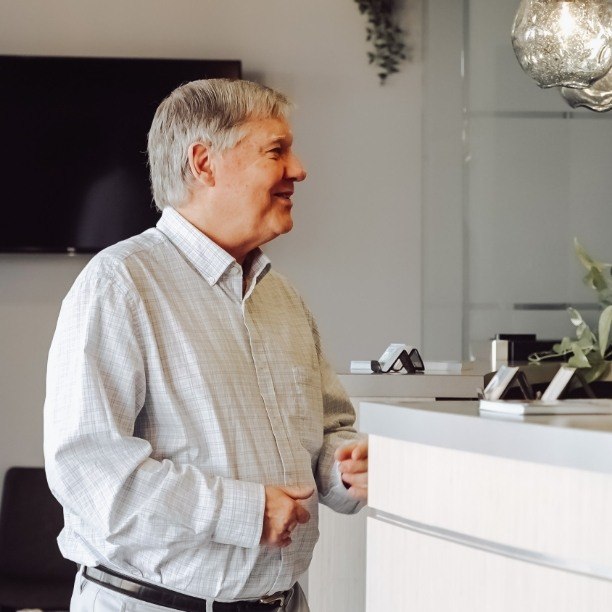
212, 111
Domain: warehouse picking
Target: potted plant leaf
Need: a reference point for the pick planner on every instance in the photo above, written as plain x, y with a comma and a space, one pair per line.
385, 36
588, 350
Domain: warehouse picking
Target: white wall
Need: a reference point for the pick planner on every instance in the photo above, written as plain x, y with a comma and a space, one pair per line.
355, 250
443, 179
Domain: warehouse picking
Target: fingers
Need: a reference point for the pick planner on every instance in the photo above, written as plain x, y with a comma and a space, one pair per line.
359, 479
360, 451
353, 458
357, 485
344, 452
285, 536
302, 515
354, 450
351, 466
298, 492
283, 513
355, 478
359, 493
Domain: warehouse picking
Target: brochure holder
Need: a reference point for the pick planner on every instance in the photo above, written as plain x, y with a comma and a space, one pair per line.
505, 378
564, 380
397, 357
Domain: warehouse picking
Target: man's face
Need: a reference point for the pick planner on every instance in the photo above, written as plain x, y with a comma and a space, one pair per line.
253, 182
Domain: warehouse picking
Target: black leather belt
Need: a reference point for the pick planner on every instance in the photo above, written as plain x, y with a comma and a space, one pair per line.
171, 599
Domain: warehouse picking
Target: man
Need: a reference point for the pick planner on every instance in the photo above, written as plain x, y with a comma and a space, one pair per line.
192, 423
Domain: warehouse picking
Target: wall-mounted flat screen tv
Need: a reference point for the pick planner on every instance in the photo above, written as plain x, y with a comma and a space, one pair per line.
73, 140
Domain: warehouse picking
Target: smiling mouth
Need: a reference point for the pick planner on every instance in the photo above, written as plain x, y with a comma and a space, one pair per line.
285, 195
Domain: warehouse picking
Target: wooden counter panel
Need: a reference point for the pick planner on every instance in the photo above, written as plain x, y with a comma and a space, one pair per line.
412, 571
559, 512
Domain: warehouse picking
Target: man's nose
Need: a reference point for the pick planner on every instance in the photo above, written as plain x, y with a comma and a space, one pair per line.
295, 169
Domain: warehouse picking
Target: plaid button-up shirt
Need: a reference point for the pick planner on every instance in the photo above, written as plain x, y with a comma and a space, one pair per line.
172, 399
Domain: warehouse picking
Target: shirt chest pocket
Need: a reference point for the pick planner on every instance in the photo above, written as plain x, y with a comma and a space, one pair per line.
306, 407
306, 385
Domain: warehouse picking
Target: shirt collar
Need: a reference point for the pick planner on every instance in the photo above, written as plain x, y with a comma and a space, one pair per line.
209, 259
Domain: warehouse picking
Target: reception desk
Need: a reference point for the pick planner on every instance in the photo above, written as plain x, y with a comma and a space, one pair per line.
477, 513
336, 578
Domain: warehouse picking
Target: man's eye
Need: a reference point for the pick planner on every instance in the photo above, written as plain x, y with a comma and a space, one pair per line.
275, 151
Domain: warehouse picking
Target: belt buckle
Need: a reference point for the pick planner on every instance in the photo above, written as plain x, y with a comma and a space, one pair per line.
275, 598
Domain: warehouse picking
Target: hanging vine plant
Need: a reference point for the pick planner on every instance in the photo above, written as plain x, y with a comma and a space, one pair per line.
387, 38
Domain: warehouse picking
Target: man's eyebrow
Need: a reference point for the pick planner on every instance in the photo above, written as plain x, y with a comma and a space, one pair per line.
283, 140
280, 138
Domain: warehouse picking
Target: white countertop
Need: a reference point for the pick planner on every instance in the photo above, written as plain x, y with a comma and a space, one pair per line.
582, 442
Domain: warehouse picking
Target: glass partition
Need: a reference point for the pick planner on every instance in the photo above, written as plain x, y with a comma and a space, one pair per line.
520, 174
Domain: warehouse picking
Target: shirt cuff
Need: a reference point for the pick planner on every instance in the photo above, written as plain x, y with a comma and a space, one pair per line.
338, 497
241, 514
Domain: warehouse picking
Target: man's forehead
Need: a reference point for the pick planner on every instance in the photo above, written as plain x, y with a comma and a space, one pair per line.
269, 130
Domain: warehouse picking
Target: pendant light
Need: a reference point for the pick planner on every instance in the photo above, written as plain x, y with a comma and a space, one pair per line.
597, 97
563, 42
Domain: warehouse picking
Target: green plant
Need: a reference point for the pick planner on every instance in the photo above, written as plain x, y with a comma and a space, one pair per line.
588, 350
598, 275
386, 36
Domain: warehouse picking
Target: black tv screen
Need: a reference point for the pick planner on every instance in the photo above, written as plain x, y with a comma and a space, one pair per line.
73, 164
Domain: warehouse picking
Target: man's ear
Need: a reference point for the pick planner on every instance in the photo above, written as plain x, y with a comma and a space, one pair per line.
200, 164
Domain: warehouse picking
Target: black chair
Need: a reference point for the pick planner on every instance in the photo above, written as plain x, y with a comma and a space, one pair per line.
33, 574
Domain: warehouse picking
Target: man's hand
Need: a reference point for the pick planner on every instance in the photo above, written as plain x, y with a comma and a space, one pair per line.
353, 463
282, 514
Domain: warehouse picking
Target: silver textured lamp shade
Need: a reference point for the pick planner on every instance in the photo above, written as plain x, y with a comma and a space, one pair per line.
597, 97
563, 43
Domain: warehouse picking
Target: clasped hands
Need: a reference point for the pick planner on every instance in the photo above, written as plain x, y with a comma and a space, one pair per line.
284, 511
